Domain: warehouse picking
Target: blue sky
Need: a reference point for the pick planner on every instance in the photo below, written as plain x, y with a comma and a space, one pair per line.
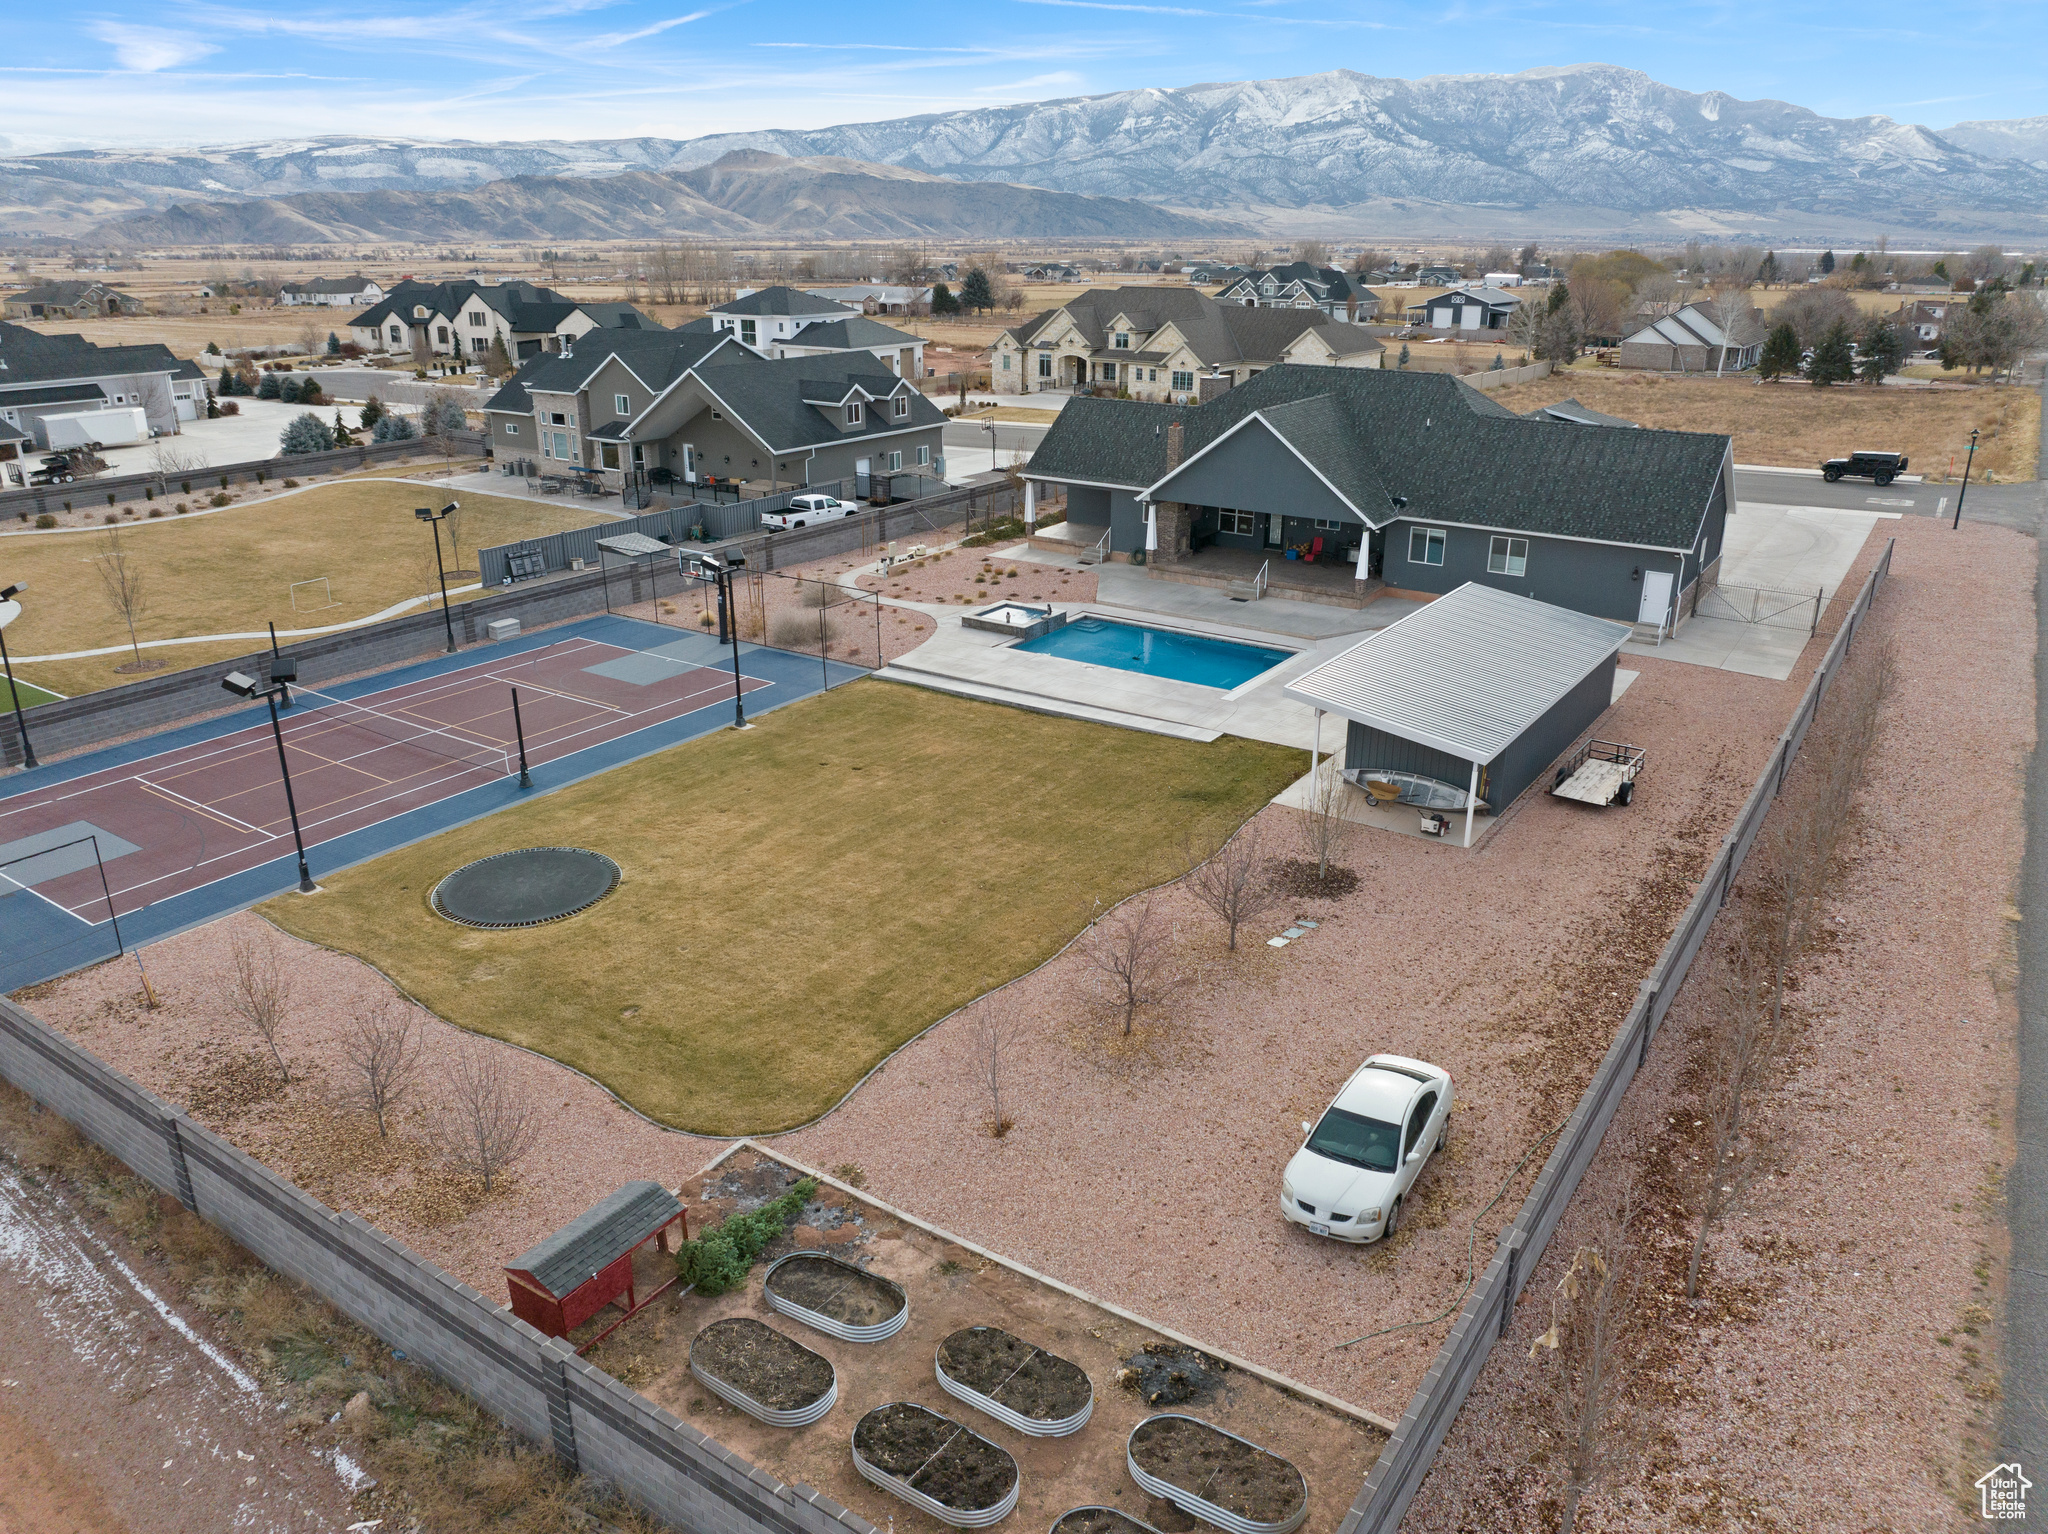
214, 71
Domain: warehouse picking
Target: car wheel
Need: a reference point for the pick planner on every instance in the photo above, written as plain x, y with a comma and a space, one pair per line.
799, 524
1884, 476
1626, 794
1443, 1136
1393, 1220
1831, 475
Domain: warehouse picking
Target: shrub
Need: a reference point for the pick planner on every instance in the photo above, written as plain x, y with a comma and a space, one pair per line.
393, 428
149, 492
797, 629
230, 408
110, 497
287, 391
268, 387
181, 508
111, 519
46, 521
221, 498
185, 485
310, 392
721, 1259
291, 484
306, 434
156, 511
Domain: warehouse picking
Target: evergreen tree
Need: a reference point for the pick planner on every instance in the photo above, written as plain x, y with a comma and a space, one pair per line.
1827, 263
227, 379
1883, 350
1403, 362
306, 434
499, 361
1498, 365
213, 348
373, 412
1833, 362
341, 436
1560, 295
267, 387
943, 301
310, 392
288, 391
1767, 273
1780, 357
333, 344
975, 292
392, 428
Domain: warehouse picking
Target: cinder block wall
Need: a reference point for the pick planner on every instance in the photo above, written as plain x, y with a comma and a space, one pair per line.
533, 1383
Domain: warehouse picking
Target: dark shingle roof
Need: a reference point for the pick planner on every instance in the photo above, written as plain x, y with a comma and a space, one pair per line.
1216, 332
783, 300
769, 397
27, 357
1575, 414
512, 397
526, 306
1454, 454
52, 394
598, 1237
657, 358
859, 330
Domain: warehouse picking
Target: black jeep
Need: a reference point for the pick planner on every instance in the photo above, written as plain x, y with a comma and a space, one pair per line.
1882, 467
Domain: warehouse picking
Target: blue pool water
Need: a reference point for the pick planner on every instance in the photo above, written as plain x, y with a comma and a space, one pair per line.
1193, 658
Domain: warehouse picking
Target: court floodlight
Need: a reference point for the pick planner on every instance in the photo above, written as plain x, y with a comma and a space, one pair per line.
241, 685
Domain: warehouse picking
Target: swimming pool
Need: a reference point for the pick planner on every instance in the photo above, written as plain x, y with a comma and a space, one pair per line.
1196, 658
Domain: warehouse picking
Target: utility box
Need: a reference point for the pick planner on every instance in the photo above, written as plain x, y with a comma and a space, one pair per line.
123, 426
500, 629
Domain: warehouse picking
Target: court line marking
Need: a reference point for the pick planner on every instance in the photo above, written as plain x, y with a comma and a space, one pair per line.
211, 812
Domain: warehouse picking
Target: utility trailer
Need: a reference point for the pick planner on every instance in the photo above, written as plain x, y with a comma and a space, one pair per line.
1601, 772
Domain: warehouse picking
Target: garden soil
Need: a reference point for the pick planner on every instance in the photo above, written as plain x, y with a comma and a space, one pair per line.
1217, 1468
1014, 1373
836, 1291
761, 1363
931, 1454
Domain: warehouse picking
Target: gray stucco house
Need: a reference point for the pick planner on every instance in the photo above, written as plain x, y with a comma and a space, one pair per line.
697, 404
1417, 481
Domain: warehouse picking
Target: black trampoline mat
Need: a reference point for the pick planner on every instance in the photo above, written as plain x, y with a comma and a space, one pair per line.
526, 887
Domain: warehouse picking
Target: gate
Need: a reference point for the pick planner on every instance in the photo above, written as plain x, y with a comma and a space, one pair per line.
1763, 606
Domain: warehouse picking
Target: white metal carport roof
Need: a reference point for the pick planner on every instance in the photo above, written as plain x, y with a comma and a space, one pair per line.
1467, 674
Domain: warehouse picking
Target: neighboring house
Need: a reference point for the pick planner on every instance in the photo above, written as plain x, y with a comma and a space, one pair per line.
1570, 412
1921, 285
698, 403
332, 293
1478, 308
1415, 478
1055, 272
1437, 276
1298, 285
1923, 320
69, 301
1161, 343
898, 351
761, 316
1502, 279
61, 375
452, 319
1689, 341
881, 297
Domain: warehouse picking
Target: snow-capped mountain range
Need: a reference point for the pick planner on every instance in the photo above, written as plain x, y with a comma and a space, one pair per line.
1592, 147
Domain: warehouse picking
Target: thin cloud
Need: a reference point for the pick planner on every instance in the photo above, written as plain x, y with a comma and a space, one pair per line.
620, 39
1149, 10
1059, 77
149, 49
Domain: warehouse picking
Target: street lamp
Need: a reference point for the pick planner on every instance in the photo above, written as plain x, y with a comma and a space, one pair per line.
1966, 481
243, 686
9, 611
721, 572
433, 519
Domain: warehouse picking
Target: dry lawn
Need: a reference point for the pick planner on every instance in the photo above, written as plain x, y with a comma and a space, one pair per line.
231, 572
1798, 426
800, 899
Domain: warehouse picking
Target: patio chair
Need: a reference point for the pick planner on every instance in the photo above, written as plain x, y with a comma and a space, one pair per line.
1315, 551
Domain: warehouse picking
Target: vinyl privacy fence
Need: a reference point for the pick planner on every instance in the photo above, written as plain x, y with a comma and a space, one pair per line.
1489, 1308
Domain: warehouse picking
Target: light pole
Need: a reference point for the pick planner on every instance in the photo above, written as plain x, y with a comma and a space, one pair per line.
721, 572
248, 687
1966, 481
9, 611
433, 518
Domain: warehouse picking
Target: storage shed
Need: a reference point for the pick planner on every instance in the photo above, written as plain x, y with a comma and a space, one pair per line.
1480, 689
563, 1281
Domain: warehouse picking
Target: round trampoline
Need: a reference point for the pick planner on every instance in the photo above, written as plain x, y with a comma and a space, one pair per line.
526, 888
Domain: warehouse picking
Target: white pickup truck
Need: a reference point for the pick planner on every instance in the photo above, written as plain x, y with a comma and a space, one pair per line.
806, 509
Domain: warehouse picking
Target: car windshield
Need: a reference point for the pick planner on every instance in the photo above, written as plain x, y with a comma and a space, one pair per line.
1357, 1141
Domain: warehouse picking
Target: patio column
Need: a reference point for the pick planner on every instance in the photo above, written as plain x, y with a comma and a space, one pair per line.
1030, 507
1471, 798
1151, 530
1363, 572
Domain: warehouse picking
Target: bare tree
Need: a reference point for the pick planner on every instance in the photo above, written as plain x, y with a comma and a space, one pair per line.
257, 989
489, 1119
1322, 829
383, 1046
1314, 252
995, 1024
1748, 1033
1594, 1317
122, 582
1730, 308
1234, 881
1132, 950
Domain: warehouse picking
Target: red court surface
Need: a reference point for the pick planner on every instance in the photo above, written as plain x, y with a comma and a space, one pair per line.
204, 811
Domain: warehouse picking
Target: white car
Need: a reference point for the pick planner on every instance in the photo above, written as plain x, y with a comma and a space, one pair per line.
805, 509
1362, 1157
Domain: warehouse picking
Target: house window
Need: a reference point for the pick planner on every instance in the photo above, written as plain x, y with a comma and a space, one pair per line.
1331, 526
1425, 545
608, 454
747, 331
1006, 362
924, 457
854, 414
1241, 522
558, 419
895, 462
476, 319
1184, 382
1109, 372
441, 333
561, 445
479, 344
1123, 340
1045, 367
511, 428
1151, 375
621, 405
1508, 556
397, 335
900, 407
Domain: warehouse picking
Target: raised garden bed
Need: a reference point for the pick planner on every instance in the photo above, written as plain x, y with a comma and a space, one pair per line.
836, 1297
1217, 1476
936, 1465
1099, 1520
765, 1374
1021, 1386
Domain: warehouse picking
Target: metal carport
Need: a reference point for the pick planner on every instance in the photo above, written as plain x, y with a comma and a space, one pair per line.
1493, 680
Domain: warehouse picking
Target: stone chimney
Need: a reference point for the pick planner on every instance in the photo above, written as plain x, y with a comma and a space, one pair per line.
1173, 446
1172, 516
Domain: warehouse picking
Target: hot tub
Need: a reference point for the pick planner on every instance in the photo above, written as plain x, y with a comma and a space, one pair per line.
1020, 620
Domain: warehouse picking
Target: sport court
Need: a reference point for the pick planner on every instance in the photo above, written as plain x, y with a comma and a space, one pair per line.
196, 823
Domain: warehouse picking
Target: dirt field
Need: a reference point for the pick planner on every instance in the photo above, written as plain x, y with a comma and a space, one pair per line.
1799, 426
950, 1288
1831, 1330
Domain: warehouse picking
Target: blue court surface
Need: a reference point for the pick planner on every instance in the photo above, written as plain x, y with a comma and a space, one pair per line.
159, 834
